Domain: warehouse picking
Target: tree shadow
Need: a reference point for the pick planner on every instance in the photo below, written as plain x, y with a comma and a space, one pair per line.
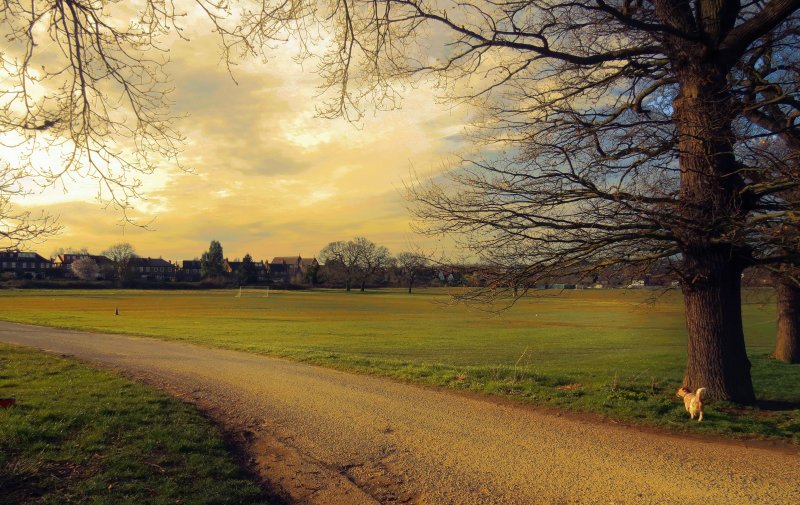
777, 405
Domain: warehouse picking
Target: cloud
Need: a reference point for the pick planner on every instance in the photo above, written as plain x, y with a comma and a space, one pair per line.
269, 177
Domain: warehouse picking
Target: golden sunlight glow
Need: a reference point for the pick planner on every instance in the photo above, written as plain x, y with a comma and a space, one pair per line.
263, 174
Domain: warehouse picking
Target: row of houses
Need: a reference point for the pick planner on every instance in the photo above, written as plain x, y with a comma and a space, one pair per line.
30, 265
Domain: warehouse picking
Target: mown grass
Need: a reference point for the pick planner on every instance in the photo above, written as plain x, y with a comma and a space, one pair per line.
610, 352
78, 435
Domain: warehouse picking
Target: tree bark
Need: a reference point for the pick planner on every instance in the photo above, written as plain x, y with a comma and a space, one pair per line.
711, 206
717, 358
787, 338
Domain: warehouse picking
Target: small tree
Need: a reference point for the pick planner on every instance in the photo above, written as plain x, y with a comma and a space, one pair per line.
85, 268
311, 274
410, 265
211, 261
247, 271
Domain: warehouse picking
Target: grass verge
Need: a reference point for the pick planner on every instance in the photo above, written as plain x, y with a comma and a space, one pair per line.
79, 435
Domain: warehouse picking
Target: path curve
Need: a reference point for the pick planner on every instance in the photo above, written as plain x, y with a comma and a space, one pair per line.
328, 437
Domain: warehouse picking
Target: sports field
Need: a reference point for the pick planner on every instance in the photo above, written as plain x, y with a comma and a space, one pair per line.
615, 352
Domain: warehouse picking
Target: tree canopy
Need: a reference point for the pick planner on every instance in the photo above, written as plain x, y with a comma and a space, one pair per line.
610, 138
85, 268
247, 270
211, 262
358, 260
121, 255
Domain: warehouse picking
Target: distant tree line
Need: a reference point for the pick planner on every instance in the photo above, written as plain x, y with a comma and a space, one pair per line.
360, 262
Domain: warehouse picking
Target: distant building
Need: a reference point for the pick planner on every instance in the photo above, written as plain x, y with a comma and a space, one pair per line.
261, 269
191, 270
25, 264
153, 269
63, 263
293, 269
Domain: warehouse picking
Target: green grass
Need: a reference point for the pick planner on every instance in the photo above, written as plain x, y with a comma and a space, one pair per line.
78, 435
606, 351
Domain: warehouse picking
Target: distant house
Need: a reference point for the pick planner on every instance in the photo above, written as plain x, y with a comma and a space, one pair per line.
191, 270
153, 269
63, 263
25, 264
233, 267
293, 269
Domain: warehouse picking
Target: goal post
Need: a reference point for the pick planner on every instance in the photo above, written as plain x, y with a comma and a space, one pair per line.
262, 291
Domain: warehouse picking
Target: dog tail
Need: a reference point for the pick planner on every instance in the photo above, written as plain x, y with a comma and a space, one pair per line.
699, 393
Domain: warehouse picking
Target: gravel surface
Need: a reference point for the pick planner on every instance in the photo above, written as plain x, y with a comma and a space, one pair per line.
321, 436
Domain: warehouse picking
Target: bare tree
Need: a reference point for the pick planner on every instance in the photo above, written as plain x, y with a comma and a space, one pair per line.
85, 268
18, 227
610, 129
121, 255
776, 239
769, 80
410, 265
372, 259
787, 335
342, 260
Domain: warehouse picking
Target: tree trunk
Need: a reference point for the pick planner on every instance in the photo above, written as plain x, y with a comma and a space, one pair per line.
787, 338
363, 285
347, 284
710, 211
717, 358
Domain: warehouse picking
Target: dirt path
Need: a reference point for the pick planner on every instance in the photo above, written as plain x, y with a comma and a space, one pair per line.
328, 437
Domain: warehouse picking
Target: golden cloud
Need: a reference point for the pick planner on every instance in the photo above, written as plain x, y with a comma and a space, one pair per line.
267, 176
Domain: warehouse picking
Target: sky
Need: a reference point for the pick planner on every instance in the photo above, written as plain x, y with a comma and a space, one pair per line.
267, 177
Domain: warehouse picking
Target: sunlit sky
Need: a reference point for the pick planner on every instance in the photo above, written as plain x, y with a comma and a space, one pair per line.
268, 177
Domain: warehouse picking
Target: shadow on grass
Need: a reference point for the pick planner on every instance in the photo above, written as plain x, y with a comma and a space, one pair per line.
777, 405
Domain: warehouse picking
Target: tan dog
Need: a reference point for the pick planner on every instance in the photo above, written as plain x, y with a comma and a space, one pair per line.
693, 401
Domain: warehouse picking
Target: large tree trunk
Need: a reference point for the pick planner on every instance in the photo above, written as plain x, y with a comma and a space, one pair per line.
710, 207
717, 359
787, 338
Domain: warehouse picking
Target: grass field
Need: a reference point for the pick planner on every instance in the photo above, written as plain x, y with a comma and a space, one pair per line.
77, 435
605, 351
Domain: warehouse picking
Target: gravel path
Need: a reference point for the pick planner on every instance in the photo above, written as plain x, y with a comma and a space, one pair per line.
327, 437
